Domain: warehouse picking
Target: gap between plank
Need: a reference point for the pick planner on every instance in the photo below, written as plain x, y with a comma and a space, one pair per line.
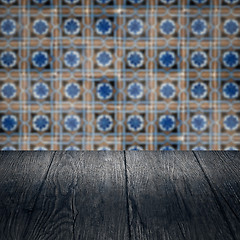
127, 198
39, 191
216, 197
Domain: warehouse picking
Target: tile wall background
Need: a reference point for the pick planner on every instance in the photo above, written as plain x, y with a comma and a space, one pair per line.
119, 74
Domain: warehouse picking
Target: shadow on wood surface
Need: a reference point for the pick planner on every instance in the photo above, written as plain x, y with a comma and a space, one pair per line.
119, 195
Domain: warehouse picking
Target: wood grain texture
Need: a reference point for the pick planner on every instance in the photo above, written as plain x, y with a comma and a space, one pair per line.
22, 175
83, 197
170, 198
119, 195
222, 171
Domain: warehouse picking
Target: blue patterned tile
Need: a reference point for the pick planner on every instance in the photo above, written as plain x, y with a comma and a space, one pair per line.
119, 74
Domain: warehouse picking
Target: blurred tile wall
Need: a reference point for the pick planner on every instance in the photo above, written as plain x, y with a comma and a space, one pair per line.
119, 74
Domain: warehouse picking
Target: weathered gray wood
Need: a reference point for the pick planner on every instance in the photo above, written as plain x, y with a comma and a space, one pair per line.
91, 195
83, 197
170, 198
222, 170
22, 175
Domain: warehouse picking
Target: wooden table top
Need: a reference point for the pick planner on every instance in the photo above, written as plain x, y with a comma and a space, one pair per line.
119, 195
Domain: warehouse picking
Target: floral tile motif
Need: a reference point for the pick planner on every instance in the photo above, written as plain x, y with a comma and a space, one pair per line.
119, 75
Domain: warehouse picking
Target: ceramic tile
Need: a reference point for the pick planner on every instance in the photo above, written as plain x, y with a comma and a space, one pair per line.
119, 74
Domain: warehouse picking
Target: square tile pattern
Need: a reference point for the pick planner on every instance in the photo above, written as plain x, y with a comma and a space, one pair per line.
119, 74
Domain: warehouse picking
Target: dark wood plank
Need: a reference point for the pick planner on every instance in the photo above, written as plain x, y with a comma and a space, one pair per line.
222, 170
170, 198
83, 197
22, 175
